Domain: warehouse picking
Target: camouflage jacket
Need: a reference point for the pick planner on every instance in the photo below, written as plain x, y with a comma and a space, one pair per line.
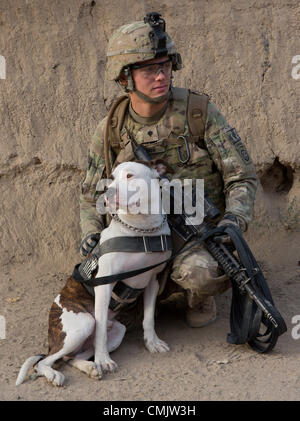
221, 159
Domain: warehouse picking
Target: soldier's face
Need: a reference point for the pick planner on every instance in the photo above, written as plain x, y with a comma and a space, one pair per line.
153, 81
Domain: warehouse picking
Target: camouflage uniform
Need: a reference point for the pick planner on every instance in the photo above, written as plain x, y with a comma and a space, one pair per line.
220, 159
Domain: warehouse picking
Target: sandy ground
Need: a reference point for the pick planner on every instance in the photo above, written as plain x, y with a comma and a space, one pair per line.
200, 364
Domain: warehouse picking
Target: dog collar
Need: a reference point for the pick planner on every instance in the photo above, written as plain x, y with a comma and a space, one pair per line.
140, 230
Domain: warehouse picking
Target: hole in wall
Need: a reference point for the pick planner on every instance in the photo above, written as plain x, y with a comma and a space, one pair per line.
278, 178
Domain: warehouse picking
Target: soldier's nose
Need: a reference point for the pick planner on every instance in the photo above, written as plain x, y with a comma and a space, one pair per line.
160, 75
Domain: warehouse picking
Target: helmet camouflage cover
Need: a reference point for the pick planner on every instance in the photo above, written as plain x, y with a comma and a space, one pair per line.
136, 42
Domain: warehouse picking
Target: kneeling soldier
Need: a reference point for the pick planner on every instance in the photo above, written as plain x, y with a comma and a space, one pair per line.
185, 129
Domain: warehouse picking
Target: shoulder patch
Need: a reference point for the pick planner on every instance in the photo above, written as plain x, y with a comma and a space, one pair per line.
237, 143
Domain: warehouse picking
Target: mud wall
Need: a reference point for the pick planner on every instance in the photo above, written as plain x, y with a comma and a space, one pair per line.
245, 56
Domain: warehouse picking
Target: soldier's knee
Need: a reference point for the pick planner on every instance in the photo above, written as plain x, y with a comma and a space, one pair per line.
200, 280
197, 272
191, 277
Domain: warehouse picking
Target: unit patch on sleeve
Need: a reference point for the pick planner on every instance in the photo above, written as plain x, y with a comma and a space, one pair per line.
237, 143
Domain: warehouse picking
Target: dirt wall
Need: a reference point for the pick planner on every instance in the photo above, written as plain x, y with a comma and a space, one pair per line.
53, 94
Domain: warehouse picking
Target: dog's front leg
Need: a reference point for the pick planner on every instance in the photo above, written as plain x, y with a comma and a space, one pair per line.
152, 342
102, 298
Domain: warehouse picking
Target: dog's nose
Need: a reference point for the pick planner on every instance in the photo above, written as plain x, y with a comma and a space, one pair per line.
111, 196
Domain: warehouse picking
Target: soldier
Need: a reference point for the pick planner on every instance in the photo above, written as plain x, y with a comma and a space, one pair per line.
185, 129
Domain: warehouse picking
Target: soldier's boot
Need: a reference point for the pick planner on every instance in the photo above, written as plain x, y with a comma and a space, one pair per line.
202, 315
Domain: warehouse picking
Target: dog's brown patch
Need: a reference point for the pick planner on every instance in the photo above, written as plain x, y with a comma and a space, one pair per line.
56, 336
73, 297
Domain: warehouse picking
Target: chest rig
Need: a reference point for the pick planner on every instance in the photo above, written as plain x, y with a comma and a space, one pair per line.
178, 138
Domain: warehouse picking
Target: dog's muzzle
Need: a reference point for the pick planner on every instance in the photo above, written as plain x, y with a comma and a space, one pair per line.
111, 198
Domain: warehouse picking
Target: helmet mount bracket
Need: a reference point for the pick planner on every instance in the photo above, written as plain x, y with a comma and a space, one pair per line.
157, 35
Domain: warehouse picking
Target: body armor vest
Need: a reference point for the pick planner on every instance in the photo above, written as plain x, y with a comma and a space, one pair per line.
178, 138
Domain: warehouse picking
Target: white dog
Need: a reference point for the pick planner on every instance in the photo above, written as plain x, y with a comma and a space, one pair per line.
81, 325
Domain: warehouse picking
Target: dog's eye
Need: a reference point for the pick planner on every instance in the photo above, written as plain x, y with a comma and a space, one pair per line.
129, 175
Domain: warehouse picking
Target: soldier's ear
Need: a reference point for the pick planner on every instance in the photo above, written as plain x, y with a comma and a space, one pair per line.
123, 79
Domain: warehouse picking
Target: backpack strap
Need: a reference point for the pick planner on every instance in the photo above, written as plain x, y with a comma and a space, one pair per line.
116, 121
113, 125
196, 114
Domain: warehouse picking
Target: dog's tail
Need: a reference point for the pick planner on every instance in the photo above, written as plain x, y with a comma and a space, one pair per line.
28, 364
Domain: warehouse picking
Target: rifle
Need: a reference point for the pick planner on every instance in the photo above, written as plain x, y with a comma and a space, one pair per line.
252, 305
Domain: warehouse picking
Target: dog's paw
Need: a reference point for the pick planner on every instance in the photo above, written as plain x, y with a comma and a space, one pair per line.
95, 372
106, 365
59, 379
156, 345
55, 377
90, 368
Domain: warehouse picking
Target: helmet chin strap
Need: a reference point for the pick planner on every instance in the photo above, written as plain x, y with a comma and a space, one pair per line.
150, 100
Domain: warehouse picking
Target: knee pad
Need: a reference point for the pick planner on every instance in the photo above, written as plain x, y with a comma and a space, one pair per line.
198, 273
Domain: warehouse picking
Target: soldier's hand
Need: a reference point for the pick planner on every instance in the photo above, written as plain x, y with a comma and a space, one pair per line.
228, 219
88, 244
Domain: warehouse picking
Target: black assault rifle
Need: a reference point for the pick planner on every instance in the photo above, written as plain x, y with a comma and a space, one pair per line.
252, 306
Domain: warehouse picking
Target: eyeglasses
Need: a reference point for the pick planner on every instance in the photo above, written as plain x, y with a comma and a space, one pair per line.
153, 69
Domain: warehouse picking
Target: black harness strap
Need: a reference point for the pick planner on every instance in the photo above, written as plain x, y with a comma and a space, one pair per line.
145, 244
122, 294
109, 279
104, 280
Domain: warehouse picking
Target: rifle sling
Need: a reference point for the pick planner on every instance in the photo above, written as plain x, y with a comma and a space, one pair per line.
246, 317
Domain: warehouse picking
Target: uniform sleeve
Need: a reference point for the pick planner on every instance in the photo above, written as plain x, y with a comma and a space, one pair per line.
91, 221
234, 163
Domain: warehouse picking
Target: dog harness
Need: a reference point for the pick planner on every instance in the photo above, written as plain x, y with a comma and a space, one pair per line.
122, 294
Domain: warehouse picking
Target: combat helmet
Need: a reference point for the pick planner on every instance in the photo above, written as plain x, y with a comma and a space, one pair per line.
136, 42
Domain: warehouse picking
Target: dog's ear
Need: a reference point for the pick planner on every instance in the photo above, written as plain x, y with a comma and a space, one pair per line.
160, 165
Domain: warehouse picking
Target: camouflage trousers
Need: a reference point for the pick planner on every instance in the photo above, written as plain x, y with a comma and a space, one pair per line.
197, 272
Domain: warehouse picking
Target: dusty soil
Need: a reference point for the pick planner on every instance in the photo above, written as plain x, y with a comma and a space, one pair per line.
200, 364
